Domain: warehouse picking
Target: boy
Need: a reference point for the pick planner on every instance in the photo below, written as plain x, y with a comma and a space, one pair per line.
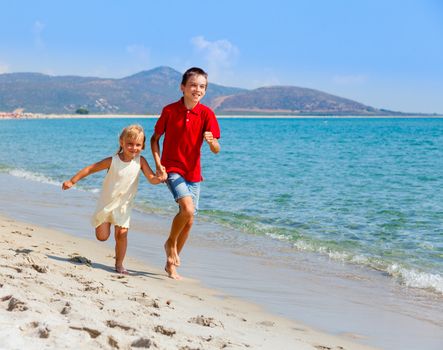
185, 123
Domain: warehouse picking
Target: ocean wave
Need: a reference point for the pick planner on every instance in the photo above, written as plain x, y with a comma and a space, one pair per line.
24, 174
349, 252
417, 279
409, 277
33, 176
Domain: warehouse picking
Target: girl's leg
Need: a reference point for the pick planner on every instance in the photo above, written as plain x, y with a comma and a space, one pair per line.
121, 243
103, 231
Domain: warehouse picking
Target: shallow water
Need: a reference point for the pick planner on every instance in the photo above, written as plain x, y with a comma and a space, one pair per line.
358, 191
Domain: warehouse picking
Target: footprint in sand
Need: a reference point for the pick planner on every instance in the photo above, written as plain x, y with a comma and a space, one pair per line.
66, 309
114, 324
93, 333
37, 328
165, 331
36, 266
205, 321
40, 268
7, 297
23, 251
80, 259
16, 305
143, 343
113, 343
21, 233
18, 269
148, 302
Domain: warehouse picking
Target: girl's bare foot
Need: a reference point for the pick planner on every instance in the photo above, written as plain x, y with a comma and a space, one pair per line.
172, 272
171, 254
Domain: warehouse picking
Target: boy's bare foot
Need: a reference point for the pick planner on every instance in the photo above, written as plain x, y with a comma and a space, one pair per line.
171, 254
121, 270
172, 272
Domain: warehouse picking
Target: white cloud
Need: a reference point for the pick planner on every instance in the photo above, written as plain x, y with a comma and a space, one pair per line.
37, 31
218, 55
357, 79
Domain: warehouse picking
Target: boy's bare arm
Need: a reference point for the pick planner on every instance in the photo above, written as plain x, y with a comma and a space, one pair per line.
155, 149
214, 146
90, 169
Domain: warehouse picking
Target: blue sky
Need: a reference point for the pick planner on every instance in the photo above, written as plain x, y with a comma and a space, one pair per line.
384, 53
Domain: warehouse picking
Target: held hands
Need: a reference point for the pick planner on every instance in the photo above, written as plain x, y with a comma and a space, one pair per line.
161, 173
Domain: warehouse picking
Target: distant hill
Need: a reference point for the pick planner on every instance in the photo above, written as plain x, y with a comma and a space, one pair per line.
292, 100
148, 91
142, 93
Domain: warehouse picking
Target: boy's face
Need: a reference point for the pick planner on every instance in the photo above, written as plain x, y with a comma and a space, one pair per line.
195, 89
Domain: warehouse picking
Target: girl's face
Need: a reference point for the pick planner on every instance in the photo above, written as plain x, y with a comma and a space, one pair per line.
131, 147
194, 89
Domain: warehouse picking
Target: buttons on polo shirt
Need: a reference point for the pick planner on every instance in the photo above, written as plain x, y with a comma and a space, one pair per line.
187, 116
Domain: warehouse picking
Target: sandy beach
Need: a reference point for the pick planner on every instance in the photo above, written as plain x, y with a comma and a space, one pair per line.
60, 292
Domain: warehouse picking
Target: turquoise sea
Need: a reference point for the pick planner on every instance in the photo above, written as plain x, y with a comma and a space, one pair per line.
365, 192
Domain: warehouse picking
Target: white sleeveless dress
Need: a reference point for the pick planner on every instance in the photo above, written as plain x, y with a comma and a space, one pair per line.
118, 193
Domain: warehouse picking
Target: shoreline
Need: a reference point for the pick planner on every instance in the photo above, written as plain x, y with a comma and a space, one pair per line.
48, 279
28, 116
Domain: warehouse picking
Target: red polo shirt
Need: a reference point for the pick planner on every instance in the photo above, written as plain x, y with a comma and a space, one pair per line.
183, 131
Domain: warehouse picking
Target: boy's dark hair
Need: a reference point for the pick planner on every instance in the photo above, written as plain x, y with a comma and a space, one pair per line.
191, 72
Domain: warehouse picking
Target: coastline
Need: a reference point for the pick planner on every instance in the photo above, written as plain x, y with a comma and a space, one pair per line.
58, 290
26, 116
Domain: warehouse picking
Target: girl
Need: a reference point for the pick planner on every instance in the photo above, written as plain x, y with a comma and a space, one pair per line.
119, 189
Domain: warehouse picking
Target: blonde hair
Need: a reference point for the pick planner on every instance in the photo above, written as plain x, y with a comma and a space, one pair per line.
132, 132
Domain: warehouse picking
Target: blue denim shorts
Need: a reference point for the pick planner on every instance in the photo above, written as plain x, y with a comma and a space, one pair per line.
180, 188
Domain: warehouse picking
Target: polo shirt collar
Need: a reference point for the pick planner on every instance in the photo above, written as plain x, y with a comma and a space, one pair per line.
195, 110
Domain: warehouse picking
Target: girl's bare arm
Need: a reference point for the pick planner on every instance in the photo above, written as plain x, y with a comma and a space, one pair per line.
147, 171
90, 169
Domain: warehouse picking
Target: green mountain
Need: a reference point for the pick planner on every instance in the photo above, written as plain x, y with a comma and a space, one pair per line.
148, 91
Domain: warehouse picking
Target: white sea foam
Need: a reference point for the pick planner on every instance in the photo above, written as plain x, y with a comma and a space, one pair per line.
33, 176
278, 236
408, 277
28, 175
417, 279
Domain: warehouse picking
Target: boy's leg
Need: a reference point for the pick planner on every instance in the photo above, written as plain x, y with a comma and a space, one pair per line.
183, 237
186, 195
121, 244
103, 231
181, 225
194, 189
